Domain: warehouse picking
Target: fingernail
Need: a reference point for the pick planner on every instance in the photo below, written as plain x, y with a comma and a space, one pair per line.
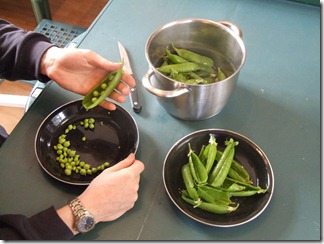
131, 156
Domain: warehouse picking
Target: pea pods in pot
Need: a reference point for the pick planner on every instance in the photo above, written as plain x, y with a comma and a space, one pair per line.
220, 41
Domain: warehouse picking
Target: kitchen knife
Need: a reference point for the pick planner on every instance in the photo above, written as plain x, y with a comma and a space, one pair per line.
137, 107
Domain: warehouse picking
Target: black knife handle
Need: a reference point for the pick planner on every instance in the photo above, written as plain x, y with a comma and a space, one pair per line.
134, 100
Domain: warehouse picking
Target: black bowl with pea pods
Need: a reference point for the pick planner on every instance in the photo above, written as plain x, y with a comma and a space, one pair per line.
220, 198
74, 144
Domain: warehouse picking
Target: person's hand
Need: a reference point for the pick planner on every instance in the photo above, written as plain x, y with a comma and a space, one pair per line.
114, 191
79, 70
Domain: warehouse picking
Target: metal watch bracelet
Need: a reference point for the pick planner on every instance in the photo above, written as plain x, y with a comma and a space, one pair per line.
84, 220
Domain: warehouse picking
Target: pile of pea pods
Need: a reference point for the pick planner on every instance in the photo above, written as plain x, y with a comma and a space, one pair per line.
213, 177
190, 67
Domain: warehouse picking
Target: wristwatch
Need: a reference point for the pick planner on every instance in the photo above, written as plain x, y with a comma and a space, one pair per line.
84, 220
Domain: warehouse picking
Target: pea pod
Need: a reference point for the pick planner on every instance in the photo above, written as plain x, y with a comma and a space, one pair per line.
220, 172
241, 172
213, 195
189, 182
195, 81
234, 175
220, 162
197, 168
207, 73
232, 186
165, 62
178, 68
220, 74
211, 153
211, 71
179, 76
175, 59
201, 154
211, 207
248, 186
246, 193
103, 89
194, 57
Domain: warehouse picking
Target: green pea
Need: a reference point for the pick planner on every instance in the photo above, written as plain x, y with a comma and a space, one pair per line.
59, 146
104, 86
68, 171
72, 153
66, 144
61, 140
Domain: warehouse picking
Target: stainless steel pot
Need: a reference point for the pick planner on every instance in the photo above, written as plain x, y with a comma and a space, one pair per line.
222, 41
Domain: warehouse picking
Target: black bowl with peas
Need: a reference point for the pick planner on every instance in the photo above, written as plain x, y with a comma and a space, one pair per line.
74, 145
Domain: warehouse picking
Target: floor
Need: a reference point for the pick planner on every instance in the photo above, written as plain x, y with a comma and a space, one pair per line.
19, 12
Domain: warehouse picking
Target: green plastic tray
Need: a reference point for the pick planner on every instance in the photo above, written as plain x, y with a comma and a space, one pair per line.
59, 33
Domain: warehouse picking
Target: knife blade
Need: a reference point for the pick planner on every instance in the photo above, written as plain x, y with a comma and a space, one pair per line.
137, 107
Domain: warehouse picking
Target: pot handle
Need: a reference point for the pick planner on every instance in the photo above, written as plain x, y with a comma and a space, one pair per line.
233, 27
162, 93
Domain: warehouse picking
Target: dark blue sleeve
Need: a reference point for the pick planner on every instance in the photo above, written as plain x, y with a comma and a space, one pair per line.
45, 225
21, 52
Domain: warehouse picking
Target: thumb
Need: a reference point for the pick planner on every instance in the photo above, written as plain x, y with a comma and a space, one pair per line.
124, 163
100, 61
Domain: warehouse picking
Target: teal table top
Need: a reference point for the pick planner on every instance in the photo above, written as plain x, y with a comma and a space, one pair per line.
276, 104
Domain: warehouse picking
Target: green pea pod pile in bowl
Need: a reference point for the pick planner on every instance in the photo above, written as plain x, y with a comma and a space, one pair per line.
247, 153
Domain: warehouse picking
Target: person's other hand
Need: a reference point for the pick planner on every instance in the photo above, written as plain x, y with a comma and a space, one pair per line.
79, 70
114, 191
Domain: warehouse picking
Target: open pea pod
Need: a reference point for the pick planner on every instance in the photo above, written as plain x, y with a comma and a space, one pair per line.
197, 168
103, 89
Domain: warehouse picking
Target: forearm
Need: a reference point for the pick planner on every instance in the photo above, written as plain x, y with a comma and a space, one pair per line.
21, 52
67, 217
46, 225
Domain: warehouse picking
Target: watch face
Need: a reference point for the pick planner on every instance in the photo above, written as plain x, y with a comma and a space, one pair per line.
85, 223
